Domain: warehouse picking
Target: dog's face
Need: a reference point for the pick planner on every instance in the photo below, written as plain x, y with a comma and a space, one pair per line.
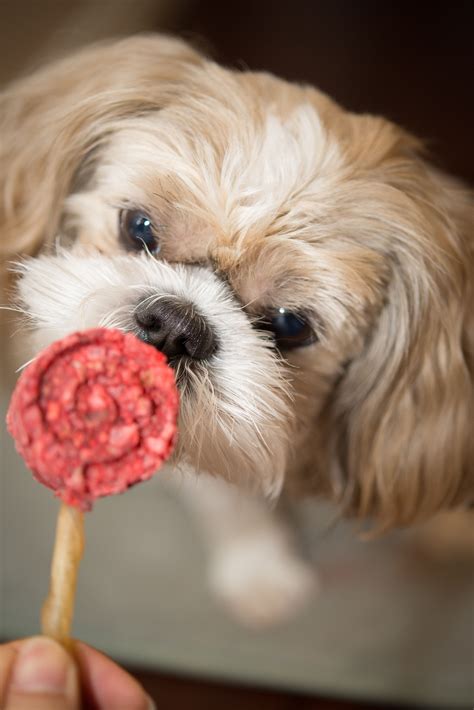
305, 272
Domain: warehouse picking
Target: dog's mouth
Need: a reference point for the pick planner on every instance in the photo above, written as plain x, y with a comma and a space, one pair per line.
187, 372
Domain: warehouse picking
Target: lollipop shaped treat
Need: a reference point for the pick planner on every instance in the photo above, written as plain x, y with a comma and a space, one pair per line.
92, 415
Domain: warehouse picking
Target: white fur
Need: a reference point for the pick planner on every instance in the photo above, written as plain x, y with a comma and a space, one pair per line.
234, 414
255, 569
261, 580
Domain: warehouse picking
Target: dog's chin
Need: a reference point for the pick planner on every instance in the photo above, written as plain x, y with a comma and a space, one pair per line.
243, 441
235, 419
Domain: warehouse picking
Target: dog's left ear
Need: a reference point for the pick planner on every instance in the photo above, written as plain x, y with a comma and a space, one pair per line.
53, 122
405, 408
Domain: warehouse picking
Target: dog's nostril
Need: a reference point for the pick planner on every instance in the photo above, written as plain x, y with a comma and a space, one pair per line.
176, 328
201, 346
148, 321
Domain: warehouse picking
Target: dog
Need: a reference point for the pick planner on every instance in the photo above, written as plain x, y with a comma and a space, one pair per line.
307, 272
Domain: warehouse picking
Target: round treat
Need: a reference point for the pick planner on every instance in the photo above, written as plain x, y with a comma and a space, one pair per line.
93, 414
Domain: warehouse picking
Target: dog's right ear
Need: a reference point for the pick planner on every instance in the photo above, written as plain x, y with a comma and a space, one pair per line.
53, 123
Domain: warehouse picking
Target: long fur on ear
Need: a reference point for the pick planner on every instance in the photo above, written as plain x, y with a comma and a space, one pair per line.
53, 122
404, 413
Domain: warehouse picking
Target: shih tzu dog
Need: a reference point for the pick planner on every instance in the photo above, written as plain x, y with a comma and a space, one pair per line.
308, 274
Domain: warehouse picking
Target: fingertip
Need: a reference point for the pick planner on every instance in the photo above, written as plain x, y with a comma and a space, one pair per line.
42, 675
7, 657
105, 684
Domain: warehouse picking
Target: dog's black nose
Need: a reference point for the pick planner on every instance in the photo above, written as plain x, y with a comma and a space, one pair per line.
176, 328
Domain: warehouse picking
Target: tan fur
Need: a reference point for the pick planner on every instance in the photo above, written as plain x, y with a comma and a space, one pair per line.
377, 241
52, 122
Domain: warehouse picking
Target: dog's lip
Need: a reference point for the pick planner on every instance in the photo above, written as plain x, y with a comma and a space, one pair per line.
180, 372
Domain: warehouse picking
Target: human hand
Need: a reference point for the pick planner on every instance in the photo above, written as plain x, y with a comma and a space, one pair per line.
38, 674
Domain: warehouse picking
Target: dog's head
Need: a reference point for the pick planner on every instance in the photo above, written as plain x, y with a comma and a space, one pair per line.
307, 273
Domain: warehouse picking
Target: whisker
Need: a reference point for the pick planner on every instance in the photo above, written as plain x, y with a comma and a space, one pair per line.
25, 364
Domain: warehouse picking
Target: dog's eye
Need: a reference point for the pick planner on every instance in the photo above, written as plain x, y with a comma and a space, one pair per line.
137, 231
291, 330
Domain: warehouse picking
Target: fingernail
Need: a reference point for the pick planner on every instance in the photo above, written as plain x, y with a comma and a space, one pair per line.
151, 703
41, 666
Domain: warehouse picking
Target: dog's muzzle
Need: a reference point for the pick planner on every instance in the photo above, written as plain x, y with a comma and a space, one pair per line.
175, 327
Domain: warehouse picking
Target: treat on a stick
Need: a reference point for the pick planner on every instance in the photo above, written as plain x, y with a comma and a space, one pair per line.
92, 415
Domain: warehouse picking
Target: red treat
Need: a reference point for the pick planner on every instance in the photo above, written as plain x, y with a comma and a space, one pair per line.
93, 414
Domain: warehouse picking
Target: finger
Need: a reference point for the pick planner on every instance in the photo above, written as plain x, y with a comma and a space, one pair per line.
42, 677
105, 684
7, 656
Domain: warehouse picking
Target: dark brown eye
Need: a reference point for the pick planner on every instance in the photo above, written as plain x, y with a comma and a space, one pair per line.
290, 330
137, 231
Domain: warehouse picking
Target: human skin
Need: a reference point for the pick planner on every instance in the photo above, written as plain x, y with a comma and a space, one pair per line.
38, 673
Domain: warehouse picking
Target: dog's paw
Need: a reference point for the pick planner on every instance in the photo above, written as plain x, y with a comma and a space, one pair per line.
261, 582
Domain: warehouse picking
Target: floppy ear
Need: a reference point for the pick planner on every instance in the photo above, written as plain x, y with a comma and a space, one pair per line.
53, 122
405, 406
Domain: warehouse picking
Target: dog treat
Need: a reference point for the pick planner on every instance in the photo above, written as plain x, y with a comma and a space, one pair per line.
92, 415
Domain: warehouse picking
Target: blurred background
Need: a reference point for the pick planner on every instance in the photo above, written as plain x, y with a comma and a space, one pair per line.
394, 621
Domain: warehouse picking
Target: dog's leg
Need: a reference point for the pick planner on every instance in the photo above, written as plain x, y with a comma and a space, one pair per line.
255, 569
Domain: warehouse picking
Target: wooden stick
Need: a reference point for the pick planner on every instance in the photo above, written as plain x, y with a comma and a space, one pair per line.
58, 609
